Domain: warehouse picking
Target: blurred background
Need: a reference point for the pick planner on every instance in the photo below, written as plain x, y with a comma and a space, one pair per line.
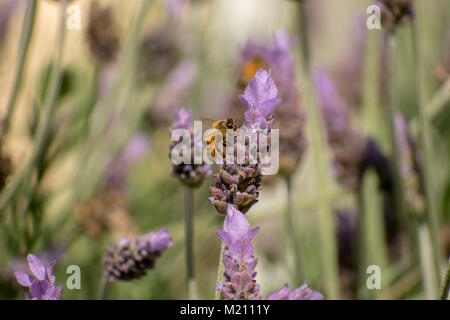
86, 162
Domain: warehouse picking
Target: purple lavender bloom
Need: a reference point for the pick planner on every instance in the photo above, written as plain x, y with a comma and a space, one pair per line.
41, 281
191, 175
346, 141
261, 98
183, 119
131, 258
238, 259
304, 292
335, 113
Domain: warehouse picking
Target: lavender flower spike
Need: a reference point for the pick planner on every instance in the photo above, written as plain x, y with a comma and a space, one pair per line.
131, 258
191, 175
261, 98
238, 259
41, 281
302, 293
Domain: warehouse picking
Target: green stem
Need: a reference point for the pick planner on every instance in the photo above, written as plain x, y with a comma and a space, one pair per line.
372, 239
326, 224
426, 261
27, 30
220, 271
189, 241
292, 236
445, 284
44, 125
392, 104
102, 288
432, 214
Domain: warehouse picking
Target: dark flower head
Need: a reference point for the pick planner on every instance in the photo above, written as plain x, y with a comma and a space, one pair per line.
304, 292
238, 258
396, 12
102, 34
41, 281
158, 56
131, 258
191, 175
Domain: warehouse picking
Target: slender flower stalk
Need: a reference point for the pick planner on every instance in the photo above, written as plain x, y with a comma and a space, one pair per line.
292, 234
27, 30
432, 216
44, 125
327, 233
445, 288
392, 105
189, 232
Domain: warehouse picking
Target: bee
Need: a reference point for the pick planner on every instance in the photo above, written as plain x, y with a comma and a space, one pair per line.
222, 126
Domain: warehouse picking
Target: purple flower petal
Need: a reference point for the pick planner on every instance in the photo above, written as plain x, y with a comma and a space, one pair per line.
50, 275
41, 289
282, 294
261, 94
57, 293
36, 266
23, 278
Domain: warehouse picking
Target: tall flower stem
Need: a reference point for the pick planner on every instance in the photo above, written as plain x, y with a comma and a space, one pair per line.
445, 284
189, 241
102, 288
292, 235
432, 216
27, 30
44, 125
372, 239
326, 224
392, 106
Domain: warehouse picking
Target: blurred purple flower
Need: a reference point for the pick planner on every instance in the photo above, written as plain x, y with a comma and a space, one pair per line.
261, 98
334, 111
131, 258
238, 259
191, 175
183, 119
304, 292
6, 12
174, 7
41, 281
346, 141
137, 147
